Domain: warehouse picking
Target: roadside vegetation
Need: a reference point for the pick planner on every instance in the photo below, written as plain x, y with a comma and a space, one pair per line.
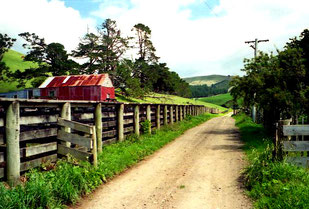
271, 184
67, 181
277, 83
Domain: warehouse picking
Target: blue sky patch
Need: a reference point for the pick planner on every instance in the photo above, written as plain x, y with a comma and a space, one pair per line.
202, 8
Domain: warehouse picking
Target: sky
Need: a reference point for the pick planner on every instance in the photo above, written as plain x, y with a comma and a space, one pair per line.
194, 37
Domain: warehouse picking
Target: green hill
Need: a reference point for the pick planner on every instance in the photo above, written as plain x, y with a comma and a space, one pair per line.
205, 86
14, 60
220, 99
208, 80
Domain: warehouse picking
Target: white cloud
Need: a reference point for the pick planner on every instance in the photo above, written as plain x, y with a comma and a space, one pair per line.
51, 20
189, 45
211, 44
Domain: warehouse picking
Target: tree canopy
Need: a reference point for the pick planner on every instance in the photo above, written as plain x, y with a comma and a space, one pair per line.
52, 59
102, 52
276, 84
146, 50
5, 44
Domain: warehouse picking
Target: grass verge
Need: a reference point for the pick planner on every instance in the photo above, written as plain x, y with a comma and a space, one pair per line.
68, 181
270, 183
157, 98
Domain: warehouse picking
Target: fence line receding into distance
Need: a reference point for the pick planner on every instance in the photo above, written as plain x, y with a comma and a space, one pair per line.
33, 132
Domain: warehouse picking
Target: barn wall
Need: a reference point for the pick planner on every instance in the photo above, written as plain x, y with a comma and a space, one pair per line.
91, 93
45, 93
107, 90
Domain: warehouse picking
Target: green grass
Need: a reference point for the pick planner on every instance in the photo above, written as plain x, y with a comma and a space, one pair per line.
68, 181
14, 61
271, 184
220, 99
208, 79
168, 99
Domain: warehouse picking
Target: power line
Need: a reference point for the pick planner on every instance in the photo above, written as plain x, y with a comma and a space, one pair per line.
209, 7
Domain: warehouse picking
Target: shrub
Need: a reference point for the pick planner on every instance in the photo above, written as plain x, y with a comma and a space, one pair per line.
146, 125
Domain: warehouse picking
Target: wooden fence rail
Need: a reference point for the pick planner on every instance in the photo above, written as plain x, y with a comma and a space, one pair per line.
84, 143
33, 132
287, 144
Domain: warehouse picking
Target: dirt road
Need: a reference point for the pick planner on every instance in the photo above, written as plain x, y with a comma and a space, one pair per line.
200, 169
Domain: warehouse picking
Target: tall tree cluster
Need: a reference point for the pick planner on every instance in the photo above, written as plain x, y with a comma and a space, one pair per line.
277, 84
102, 52
52, 59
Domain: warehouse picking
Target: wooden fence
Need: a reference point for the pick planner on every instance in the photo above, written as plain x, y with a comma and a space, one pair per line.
290, 143
83, 140
29, 128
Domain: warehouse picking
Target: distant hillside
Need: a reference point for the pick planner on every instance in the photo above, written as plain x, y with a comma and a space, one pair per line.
206, 80
204, 86
14, 60
225, 84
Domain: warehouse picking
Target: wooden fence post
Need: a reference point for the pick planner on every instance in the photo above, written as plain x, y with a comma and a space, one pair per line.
165, 115
12, 131
181, 112
171, 115
95, 148
136, 120
278, 151
158, 115
183, 107
176, 113
120, 122
148, 117
66, 114
98, 126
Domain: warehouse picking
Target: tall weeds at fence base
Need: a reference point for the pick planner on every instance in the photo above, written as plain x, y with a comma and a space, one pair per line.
67, 182
271, 184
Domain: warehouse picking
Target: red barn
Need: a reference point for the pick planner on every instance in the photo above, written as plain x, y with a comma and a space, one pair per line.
78, 87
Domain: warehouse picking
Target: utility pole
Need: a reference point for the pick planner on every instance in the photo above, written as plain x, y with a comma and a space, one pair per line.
254, 46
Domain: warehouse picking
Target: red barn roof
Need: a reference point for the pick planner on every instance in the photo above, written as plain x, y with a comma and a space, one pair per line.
77, 80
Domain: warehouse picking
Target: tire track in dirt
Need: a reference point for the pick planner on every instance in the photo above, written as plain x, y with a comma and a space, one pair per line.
200, 169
